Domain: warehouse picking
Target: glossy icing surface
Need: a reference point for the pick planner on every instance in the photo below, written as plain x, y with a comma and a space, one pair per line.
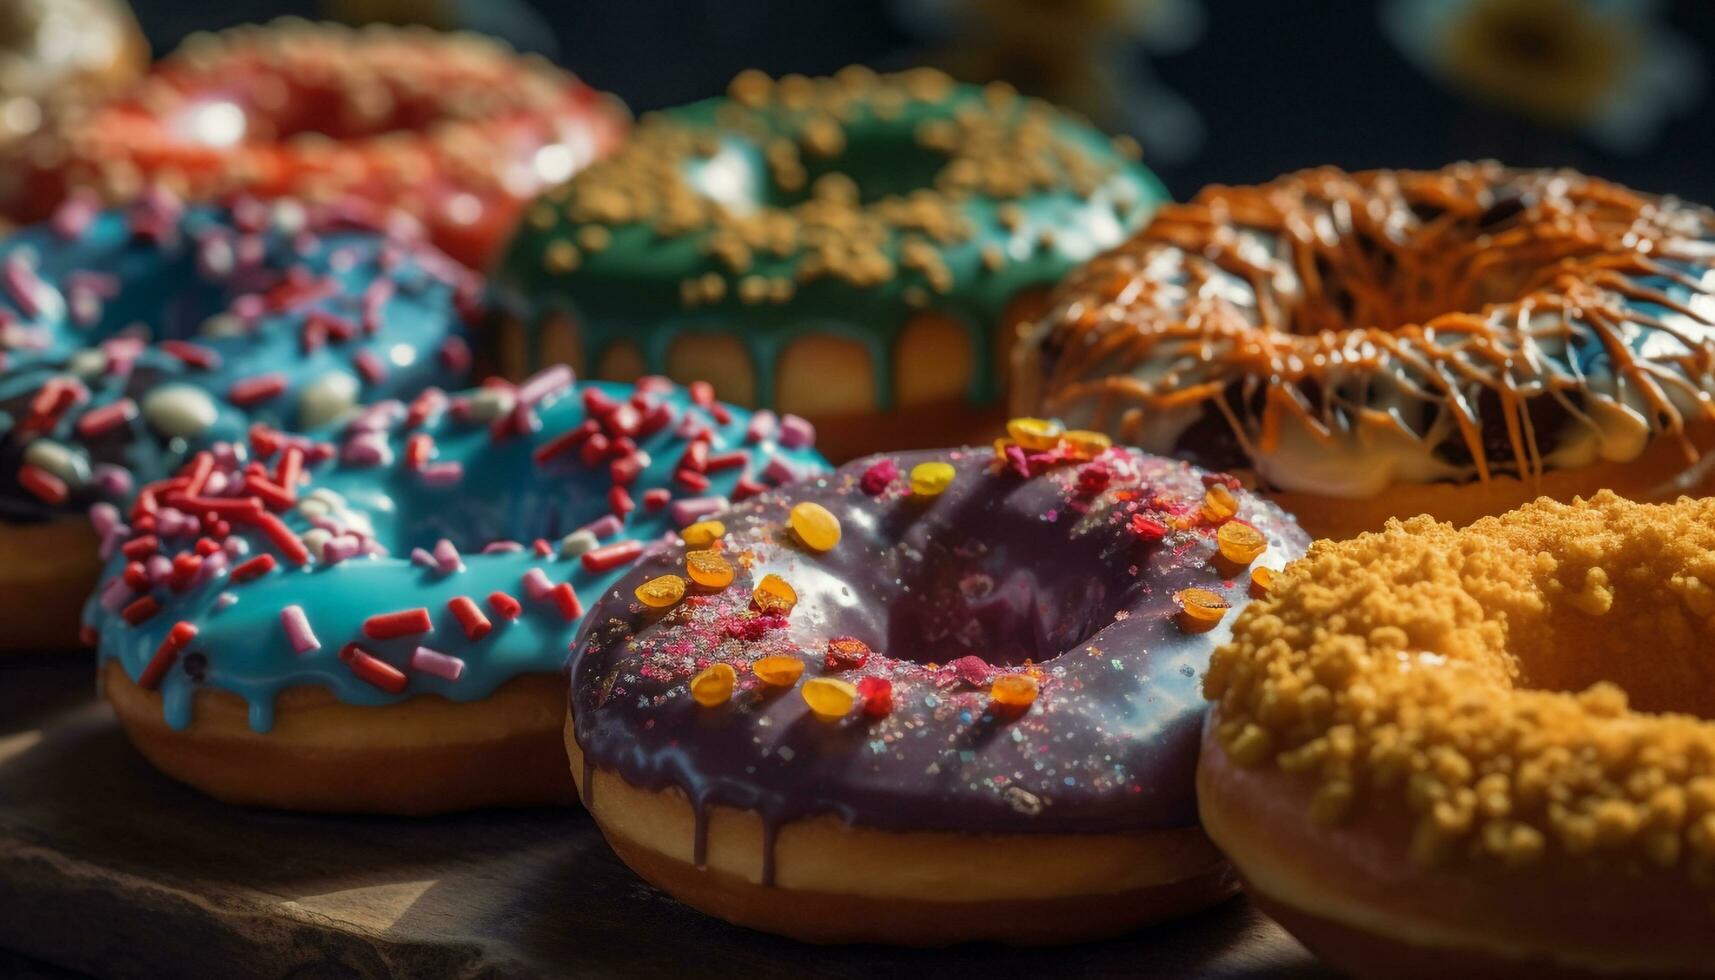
129, 337
1337, 333
531, 493
1066, 581
837, 206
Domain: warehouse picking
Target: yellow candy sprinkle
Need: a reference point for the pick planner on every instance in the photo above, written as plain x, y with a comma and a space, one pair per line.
1034, 434
661, 592
774, 595
1263, 580
1085, 444
815, 525
1240, 543
1000, 447
1219, 504
713, 685
829, 697
778, 671
703, 533
1200, 609
929, 479
1013, 690
708, 569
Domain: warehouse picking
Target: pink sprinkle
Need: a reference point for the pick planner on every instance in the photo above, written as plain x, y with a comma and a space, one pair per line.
443, 474
367, 449
298, 632
447, 558
654, 384
605, 526
501, 547
115, 595
761, 426
779, 470
796, 432
422, 558
693, 509
72, 218
104, 518
114, 480
436, 663
340, 548
22, 284
544, 383
536, 584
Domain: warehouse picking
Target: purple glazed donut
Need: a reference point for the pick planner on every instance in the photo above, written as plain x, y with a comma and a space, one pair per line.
933, 697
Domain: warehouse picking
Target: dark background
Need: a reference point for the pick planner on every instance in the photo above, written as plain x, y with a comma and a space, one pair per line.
1278, 85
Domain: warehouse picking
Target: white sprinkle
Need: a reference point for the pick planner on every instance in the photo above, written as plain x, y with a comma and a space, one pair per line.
179, 411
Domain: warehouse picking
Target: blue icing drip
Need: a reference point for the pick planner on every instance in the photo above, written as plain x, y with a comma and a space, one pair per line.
503, 495
72, 299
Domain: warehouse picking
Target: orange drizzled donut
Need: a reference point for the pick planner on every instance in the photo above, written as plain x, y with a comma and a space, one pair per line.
1453, 341
454, 129
1483, 752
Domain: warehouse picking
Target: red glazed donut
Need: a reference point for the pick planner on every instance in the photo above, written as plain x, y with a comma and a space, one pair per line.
454, 129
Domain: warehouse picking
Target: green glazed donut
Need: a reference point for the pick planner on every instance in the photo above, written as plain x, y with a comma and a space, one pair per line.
853, 249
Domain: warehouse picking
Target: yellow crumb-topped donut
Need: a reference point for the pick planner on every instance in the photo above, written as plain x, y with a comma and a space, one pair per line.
1492, 743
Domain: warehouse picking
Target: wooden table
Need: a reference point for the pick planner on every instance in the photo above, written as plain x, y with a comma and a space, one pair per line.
109, 868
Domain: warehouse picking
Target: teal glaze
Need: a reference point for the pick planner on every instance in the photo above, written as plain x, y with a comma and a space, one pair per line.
630, 290
504, 495
183, 273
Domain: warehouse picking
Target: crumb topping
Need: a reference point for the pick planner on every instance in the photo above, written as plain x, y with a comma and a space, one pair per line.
1537, 687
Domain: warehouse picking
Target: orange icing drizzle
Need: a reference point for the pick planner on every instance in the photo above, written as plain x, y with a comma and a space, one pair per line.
1442, 284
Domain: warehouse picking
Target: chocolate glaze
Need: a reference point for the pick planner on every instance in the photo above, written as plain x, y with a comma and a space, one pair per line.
997, 571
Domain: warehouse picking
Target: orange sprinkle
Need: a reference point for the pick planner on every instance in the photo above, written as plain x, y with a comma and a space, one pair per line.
778, 671
703, 533
713, 685
774, 595
1013, 690
1035, 435
1200, 609
930, 479
829, 697
1085, 444
1263, 580
1240, 543
1219, 504
661, 592
815, 525
708, 569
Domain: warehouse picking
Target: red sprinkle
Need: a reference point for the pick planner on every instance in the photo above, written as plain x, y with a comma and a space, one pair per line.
417, 450
611, 556
43, 484
166, 655
141, 547
254, 568
692, 481
566, 441
249, 391
727, 461
625, 470
372, 670
102, 420
656, 498
289, 470
281, 537
140, 610
504, 605
405, 622
195, 355
566, 600
876, 694
476, 625
136, 575
620, 502
266, 492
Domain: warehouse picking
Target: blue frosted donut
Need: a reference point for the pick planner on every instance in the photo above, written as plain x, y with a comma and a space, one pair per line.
377, 620
129, 337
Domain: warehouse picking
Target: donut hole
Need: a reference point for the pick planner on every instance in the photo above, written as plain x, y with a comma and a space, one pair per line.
988, 585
